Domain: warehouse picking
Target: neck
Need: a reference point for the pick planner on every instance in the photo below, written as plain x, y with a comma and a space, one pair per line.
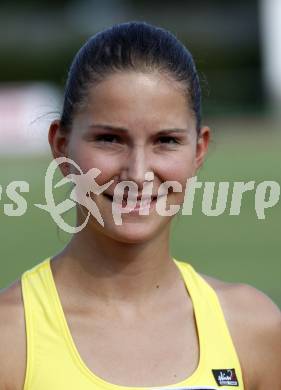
98, 267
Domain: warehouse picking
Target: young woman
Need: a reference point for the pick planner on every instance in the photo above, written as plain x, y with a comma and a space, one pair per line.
113, 310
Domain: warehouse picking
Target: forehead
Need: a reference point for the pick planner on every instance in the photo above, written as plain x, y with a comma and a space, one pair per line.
132, 98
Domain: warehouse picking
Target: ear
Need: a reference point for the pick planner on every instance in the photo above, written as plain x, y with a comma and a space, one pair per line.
202, 145
58, 141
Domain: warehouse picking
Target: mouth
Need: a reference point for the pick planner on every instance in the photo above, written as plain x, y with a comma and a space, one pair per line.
150, 200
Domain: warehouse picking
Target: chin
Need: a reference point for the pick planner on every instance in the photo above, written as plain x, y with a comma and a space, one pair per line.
135, 229
131, 233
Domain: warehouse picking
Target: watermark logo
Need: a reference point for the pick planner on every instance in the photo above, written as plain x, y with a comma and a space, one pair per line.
84, 184
126, 198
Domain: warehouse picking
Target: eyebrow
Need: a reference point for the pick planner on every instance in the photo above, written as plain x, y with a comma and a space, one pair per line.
122, 129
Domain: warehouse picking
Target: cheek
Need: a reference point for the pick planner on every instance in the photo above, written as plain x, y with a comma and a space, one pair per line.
180, 172
87, 158
179, 168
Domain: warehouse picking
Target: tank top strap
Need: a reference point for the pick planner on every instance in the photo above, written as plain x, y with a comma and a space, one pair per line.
36, 292
214, 336
44, 334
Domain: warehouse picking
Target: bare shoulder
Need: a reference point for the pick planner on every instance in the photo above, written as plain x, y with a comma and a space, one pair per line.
254, 321
12, 338
243, 302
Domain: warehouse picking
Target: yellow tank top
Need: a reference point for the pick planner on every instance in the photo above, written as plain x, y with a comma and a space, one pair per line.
54, 363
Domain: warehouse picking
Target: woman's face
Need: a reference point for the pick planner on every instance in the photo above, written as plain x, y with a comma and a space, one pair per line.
124, 130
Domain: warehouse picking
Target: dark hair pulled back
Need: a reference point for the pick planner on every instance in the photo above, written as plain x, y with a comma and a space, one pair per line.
135, 46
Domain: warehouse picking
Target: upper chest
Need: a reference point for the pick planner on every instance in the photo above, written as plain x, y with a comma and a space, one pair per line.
149, 349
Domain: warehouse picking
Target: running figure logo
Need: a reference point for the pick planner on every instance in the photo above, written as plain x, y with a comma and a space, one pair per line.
84, 184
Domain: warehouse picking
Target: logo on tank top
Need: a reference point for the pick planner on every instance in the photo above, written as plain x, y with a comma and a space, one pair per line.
225, 377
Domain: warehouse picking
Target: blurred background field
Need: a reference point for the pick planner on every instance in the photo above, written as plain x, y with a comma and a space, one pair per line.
237, 52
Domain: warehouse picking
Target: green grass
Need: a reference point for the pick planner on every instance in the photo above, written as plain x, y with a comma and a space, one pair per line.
233, 248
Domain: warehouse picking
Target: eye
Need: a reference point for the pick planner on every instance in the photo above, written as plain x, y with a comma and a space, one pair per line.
107, 138
168, 140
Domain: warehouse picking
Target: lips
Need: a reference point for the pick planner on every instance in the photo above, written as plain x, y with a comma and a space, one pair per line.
125, 197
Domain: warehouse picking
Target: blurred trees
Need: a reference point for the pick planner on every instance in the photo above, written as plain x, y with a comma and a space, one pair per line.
39, 39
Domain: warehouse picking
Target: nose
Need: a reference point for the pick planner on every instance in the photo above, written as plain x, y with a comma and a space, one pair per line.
135, 166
